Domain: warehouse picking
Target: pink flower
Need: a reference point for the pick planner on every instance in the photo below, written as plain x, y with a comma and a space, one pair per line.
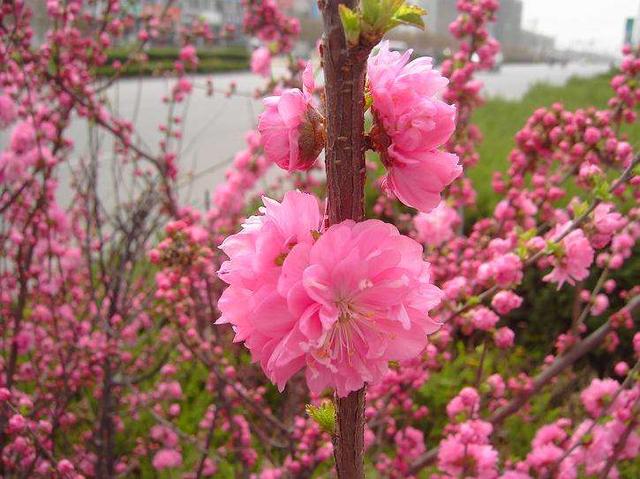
543, 457
505, 270
410, 123
515, 475
483, 318
454, 287
410, 442
404, 100
600, 304
591, 135
261, 62
182, 88
506, 301
291, 129
572, 262
418, 184
466, 402
8, 111
607, 223
554, 433
467, 453
621, 368
367, 294
342, 306
188, 54
437, 226
504, 338
17, 423
497, 385
23, 138
598, 395
166, 459
65, 466
252, 304
5, 394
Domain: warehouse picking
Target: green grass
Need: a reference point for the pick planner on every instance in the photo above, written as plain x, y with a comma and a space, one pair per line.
171, 53
213, 60
500, 119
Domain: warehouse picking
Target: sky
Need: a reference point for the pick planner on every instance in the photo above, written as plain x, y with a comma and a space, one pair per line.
596, 25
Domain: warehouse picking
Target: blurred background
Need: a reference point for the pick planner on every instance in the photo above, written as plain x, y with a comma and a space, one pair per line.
544, 42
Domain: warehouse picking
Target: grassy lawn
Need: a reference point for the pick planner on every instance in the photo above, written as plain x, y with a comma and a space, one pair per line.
500, 119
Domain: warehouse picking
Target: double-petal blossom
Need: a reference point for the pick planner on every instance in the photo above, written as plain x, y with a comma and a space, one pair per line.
340, 306
411, 123
291, 128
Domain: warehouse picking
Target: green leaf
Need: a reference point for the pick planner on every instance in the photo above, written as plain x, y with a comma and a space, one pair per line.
586, 438
368, 100
473, 301
324, 415
601, 191
522, 252
580, 209
410, 15
350, 24
555, 249
371, 11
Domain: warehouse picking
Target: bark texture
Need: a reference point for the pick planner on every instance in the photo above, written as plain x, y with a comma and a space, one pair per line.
344, 74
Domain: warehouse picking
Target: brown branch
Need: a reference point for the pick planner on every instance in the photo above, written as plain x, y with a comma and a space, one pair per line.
344, 73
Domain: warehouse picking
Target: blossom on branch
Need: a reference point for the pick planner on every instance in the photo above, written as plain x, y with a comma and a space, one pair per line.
572, 260
410, 123
341, 306
291, 128
261, 62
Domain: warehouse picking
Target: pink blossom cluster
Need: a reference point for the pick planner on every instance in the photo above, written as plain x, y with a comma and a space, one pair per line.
261, 62
409, 445
466, 451
314, 448
248, 166
266, 21
477, 52
626, 97
438, 226
572, 261
410, 125
596, 445
340, 303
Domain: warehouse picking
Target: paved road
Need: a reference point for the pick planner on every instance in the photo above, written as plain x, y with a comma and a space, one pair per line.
214, 127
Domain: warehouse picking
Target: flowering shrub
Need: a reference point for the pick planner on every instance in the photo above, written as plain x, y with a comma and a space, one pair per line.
111, 364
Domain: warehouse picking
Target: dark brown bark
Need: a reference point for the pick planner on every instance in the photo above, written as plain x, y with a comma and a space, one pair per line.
344, 74
348, 441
